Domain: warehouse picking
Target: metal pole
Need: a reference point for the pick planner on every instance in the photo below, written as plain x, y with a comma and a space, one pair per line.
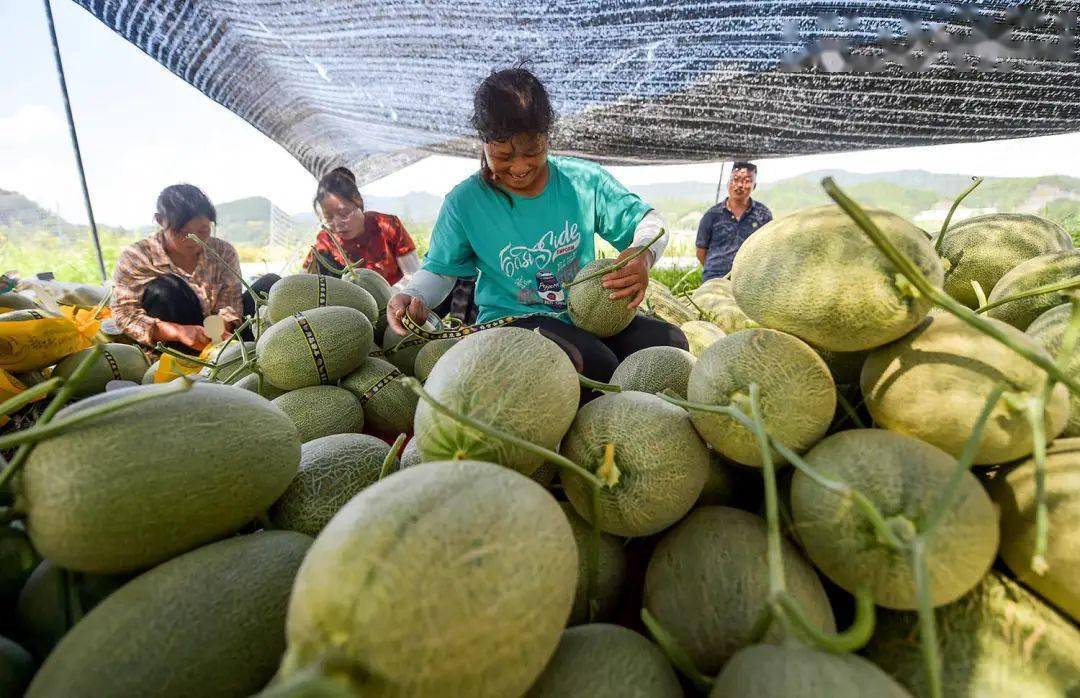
75, 140
719, 183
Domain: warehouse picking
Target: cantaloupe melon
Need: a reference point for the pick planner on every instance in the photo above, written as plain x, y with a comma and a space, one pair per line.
314, 347
998, 640
717, 300
796, 671
590, 307
208, 623
251, 383
798, 395
428, 355
545, 474
1049, 330
1039, 271
322, 410
444, 579
16, 301
299, 292
719, 486
388, 405
333, 469
845, 366
701, 334
512, 378
606, 661
115, 362
661, 303
229, 361
610, 573
410, 455
933, 384
97, 501
707, 584
372, 282
904, 478
16, 665
17, 559
817, 275
654, 370
1013, 490
662, 462
402, 350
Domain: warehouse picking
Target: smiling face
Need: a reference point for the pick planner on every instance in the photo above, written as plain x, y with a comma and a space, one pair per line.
519, 165
740, 185
342, 217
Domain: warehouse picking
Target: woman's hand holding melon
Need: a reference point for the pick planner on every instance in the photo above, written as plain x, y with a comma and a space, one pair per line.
399, 305
632, 280
192, 336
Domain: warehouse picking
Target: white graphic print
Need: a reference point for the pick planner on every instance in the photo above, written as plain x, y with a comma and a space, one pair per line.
517, 258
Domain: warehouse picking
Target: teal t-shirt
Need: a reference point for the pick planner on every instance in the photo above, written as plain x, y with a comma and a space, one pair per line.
522, 254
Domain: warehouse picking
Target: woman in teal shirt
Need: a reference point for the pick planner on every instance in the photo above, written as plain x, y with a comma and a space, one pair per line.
525, 224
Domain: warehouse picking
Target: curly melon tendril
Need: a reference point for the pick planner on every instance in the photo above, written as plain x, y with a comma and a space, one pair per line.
936, 295
388, 462
975, 182
675, 653
1066, 285
618, 265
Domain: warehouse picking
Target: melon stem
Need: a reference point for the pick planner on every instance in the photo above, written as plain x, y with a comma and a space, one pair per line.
980, 294
63, 395
186, 358
593, 569
597, 385
927, 627
395, 449
29, 395
1036, 414
618, 265
849, 409
936, 295
1037, 291
562, 461
850, 640
675, 653
975, 182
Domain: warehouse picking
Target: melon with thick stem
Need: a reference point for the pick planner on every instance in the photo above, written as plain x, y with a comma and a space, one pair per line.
798, 395
934, 383
298, 292
606, 661
817, 275
1013, 490
322, 410
447, 578
904, 478
590, 307
388, 405
662, 462
119, 362
654, 370
514, 379
1049, 330
707, 584
1039, 271
985, 248
610, 572
314, 347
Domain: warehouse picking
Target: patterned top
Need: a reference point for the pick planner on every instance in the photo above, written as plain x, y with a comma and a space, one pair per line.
384, 240
722, 234
218, 290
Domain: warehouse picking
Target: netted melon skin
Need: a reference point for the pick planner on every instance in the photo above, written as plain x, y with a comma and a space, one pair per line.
998, 640
129, 361
410, 455
985, 248
662, 462
343, 335
797, 671
250, 383
373, 282
1049, 330
1040, 271
933, 384
700, 335
322, 410
208, 623
299, 292
714, 556
817, 275
717, 301
606, 661
332, 471
450, 578
1013, 489
654, 370
904, 477
389, 411
511, 378
611, 572
798, 395
428, 355
591, 309
96, 505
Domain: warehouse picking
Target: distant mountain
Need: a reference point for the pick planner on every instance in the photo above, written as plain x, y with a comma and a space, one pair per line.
17, 210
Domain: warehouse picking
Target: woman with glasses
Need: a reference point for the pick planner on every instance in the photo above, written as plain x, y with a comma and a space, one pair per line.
376, 240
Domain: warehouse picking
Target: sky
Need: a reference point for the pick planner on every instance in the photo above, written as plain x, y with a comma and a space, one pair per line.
141, 128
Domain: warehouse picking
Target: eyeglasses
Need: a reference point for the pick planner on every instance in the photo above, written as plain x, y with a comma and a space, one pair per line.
341, 217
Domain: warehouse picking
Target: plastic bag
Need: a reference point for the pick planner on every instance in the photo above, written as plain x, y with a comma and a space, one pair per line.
31, 339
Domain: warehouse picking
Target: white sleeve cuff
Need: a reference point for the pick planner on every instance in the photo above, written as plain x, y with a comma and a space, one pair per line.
429, 287
648, 228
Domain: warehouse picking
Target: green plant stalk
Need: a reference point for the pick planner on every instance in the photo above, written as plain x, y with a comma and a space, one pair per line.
849, 409
928, 639
597, 385
963, 464
29, 395
850, 640
975, 182
701, 313
1036, 413
1037, 291
162, 349
230, 340
918, 280
618, 265
40, 431
349, 265
1071, 336
762, 625
559, 460
682, 280
254, 294
61, 398
395, 449
244, 365
980, 294
675, 654
593, 570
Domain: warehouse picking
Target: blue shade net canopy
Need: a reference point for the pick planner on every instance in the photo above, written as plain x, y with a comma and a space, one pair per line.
378, 84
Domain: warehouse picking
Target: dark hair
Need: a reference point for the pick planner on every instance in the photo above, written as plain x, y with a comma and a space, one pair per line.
745, 165
341, 182
509, 102
179, 204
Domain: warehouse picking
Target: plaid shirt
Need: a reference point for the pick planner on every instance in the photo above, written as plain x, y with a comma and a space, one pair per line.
218, 290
